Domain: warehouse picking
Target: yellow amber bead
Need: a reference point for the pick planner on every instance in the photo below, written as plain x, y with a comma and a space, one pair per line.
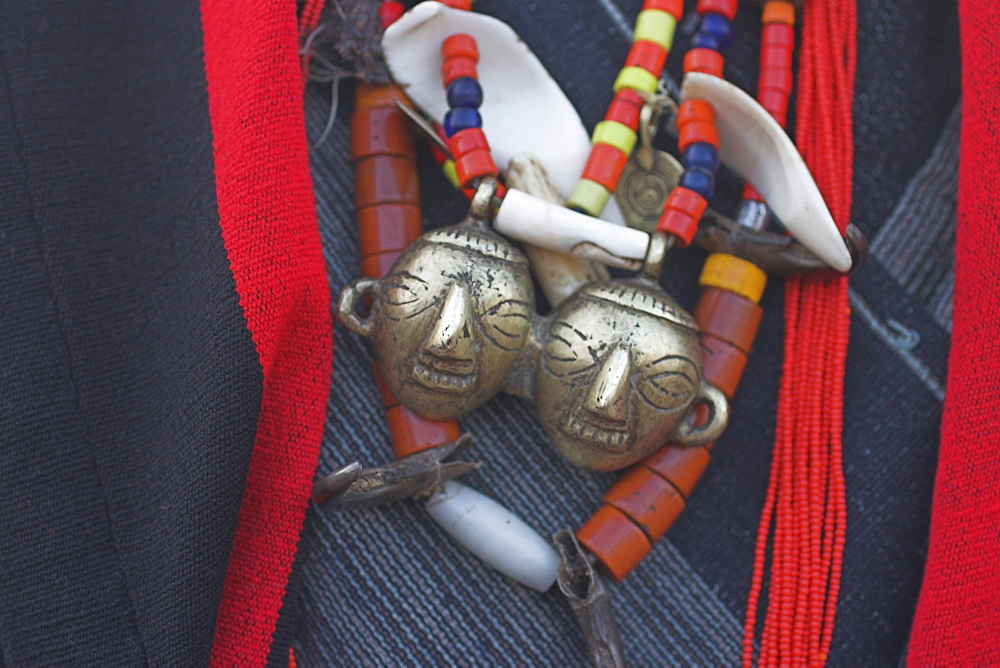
637, 79
656, 26
619, 135
589, 197
734, 274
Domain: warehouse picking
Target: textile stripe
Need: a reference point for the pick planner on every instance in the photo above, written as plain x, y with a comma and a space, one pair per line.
269, 229
957, 615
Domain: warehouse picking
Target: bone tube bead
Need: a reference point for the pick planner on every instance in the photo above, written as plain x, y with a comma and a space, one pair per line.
500, 538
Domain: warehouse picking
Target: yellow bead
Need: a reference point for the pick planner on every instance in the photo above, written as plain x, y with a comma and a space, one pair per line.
589, 197
448, 167
619, 135
637, 79
656, 26
734, 274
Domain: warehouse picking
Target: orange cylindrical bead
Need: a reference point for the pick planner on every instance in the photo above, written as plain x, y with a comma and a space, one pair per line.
679, 464
383, 130
379, 264
779, 11
605, 165
695, 110
722, 364
625, 108
474, 165
387, 227
617, 542
673, 7
458, 4
411, 433
725, 7
728, 316
650, 56
698, 131
704, 60
647, 499
383, 179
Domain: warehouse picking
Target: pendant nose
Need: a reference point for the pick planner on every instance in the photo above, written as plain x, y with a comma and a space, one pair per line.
452, 336
608, 393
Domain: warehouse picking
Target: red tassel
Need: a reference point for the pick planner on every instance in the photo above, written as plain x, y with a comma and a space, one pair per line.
804, 516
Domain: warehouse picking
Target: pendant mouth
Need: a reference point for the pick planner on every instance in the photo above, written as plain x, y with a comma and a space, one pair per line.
604, 434
441, 375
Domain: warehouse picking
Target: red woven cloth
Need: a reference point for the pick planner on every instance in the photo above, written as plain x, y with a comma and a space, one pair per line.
958, 616
272, 240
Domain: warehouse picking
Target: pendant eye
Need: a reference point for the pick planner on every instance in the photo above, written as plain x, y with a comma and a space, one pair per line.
566, 351
506, 324
669, 383
405, 296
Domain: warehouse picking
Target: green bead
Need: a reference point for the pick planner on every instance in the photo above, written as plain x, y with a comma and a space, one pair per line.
589, 197
655, 25
637, 79
619, 135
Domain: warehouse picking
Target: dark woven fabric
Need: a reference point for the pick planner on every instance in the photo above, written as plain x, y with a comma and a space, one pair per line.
387, 587
130, 384
131, 388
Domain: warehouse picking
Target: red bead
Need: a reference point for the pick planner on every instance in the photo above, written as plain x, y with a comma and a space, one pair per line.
778, 34
725, 7
673, 7
776, 103
708, 61
697, 131
453, 68
615, 540
681, 214
625, 108
775, 79
460, 45
695, 110
776, 57
650, 56
605, 165
475, 165
470, 139
389, 12
680, 465
458, 4
646, 499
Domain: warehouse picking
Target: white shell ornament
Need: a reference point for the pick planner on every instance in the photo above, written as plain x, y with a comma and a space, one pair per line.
501, 539
753, 144
523, 107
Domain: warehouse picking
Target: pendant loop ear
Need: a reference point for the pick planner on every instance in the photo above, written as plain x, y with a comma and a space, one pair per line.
712, 428
347, 306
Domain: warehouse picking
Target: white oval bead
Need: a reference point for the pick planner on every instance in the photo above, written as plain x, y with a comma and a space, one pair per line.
501, 539
523, 107
533, 220
753, 144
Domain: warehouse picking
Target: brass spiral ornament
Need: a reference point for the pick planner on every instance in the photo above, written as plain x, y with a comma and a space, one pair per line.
641, 192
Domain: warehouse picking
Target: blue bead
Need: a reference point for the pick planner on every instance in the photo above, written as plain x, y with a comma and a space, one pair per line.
699, 180
701, 155
461, 118
704, 40
718, 26
465, 92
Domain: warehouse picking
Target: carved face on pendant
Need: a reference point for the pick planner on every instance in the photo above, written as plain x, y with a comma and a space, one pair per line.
620, 374
449, 320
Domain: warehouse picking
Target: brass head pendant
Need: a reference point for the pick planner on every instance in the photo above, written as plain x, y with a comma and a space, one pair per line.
450, 319
620, 373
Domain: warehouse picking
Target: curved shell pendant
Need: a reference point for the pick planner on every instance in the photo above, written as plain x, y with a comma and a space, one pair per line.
523, 108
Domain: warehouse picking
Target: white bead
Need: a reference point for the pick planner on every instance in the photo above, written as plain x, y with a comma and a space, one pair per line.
558, 275
501, 539
753, 144
533, 220
523, 107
